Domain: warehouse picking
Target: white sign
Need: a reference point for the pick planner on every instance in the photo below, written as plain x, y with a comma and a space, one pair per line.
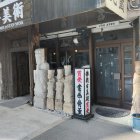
82, 92
12, 15
87, 91
6, 2
79, 91
107, 24
118, 6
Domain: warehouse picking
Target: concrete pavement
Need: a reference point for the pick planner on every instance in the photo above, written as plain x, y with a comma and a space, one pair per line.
25, 122
95, 129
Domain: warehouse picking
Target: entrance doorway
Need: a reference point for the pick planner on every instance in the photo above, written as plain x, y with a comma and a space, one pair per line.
20, 67
63, 51
114, 75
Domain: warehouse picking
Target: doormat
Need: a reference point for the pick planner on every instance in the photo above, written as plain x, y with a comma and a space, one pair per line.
111, 112
16, 102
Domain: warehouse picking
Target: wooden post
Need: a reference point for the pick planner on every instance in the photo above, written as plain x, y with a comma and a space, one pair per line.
33, 42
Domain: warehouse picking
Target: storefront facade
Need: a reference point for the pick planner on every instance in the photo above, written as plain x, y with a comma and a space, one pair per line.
15, 41
105, 43
78, 33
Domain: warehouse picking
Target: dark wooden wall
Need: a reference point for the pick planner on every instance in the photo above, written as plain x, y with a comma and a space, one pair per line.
12, 41
45, 10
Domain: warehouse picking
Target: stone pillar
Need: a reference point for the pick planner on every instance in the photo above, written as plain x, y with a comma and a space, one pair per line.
68, 91
40, 79
51, 90
59, 90
136, 79
136, 89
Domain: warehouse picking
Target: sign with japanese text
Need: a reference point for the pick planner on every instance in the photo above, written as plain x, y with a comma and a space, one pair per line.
133, 8
82, 92
118, 6
14, 14
87, 91
79, 91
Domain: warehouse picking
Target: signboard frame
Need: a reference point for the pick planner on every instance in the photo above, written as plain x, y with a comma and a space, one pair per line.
82, 113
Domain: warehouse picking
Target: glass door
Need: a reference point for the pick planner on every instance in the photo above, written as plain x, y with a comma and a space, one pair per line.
127, 73
108, 75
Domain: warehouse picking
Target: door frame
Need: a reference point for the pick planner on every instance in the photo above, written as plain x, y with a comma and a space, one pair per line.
12, 51
123, 103
119, 44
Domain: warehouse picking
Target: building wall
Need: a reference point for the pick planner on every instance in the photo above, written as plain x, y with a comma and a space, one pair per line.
6, 80
9, 44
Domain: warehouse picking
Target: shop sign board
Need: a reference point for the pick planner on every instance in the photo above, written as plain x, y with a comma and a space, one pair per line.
133, 8
87, 91
82, 92
117, 6
14, 14
79, 91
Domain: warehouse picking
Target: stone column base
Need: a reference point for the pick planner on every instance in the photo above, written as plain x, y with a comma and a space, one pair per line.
58, 105
68, 108
39, 102
50, 104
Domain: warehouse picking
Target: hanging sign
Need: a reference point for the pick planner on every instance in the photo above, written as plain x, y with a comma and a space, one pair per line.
82, 93
14, 14
117, 6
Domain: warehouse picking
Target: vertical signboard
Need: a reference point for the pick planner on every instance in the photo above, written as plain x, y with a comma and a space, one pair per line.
79, 91
118, 6
82, 94
14, 14
87, 91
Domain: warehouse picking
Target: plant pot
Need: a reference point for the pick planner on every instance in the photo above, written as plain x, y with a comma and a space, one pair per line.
136, 122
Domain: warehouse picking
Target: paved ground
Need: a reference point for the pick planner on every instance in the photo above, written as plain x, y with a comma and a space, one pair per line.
25, 122
95, 129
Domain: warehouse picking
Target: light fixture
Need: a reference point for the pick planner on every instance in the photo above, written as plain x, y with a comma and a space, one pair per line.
76, 51
75, 41
101, 32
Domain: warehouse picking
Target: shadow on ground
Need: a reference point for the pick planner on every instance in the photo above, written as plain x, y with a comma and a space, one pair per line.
94, 129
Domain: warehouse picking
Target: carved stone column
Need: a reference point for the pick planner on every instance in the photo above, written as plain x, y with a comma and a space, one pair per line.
136, 89
68, 91
136, 78
59, 90
40, 79
51, 90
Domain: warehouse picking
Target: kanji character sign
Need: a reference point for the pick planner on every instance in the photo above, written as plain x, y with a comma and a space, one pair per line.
18, 10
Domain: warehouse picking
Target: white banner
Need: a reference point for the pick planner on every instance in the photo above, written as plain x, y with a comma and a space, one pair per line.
79, 91
87, 91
